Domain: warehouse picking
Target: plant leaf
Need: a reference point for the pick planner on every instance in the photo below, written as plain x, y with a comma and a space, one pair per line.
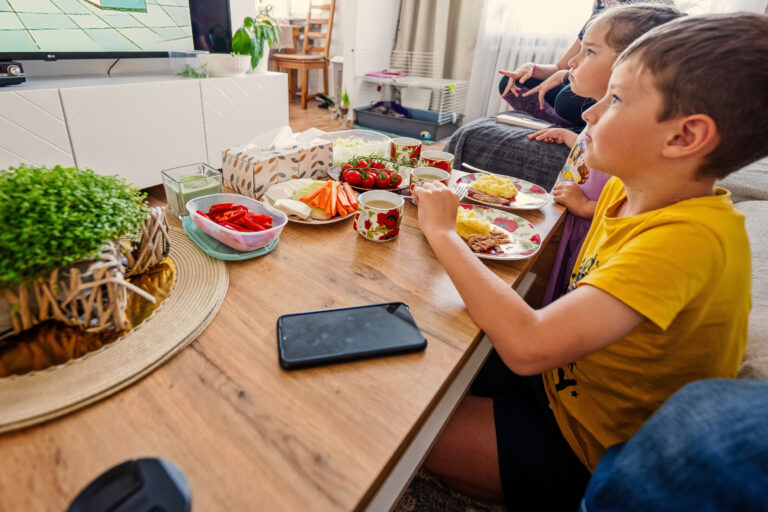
241, 42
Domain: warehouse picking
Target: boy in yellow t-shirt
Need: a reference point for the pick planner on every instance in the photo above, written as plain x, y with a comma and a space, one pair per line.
661, 294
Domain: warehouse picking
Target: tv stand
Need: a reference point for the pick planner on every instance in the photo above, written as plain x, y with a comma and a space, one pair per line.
136, 126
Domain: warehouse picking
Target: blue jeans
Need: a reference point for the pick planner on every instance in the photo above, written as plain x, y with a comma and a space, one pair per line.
705, 449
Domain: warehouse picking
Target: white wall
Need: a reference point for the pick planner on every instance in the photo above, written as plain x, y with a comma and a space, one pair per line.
369, 26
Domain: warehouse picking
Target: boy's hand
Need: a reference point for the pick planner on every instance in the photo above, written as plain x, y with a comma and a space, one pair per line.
555, 136
569, 195
521, 74
550, 83
437, 209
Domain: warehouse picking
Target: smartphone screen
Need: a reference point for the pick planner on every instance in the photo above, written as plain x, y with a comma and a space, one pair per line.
335, 335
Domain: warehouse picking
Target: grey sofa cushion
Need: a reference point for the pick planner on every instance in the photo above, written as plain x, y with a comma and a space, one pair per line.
749, 183
755, 364
505, 149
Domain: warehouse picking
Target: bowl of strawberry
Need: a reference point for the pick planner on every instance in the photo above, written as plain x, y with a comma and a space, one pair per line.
372, 173
239, 222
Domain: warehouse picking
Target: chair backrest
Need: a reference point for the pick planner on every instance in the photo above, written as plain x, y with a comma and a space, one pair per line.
321, 41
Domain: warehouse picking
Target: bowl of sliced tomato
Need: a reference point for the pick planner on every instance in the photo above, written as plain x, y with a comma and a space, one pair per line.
239, 222
372, 173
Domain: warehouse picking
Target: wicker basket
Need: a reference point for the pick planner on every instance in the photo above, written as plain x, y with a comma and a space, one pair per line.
153, 246
90, 294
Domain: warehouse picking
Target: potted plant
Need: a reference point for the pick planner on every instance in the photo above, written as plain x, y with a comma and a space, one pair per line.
250, 46
344, 107
255, 37
68, 236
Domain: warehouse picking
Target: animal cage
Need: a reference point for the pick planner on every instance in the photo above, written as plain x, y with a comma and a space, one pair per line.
403, 92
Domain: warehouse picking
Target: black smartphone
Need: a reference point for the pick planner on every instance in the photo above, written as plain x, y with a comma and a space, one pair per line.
334, 335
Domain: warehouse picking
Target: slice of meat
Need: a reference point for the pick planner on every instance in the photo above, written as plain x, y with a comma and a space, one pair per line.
484, 243
482, 196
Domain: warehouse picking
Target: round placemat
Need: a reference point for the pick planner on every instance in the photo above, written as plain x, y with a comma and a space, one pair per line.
201, 284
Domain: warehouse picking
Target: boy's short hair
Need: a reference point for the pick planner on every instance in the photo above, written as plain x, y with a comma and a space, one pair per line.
628, 22
715, 65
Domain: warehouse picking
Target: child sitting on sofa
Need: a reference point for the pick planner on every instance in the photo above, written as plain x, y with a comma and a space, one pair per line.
661, 294
578, 188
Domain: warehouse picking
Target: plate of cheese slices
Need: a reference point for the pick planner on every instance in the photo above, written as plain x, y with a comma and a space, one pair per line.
308, 201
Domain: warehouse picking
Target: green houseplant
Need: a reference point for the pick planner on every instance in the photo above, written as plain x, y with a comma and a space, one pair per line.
256, 35
59, 252
55, 217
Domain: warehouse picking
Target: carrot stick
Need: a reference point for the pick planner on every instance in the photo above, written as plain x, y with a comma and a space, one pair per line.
334, 198
343, 200
310, 195
320, 200
350, 195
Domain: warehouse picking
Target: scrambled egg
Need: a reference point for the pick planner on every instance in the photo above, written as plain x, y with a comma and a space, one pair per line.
467, 223
495, 186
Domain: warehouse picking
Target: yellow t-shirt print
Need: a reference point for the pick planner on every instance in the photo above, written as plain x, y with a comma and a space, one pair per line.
686, 269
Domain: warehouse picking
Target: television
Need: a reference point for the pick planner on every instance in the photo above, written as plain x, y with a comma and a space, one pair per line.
211, 25
80, 29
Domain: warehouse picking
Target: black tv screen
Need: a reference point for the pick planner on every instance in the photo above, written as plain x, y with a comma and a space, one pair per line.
211, 25
51, 29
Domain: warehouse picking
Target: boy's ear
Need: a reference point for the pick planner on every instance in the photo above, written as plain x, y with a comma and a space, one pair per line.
692, 135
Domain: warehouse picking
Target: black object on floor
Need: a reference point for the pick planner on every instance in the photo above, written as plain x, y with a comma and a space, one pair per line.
143, 485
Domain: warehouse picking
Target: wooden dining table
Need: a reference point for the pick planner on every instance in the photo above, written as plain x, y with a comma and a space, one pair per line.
250, 435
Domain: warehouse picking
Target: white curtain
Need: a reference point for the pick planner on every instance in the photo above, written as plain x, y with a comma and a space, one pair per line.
718, 6
446, 29
512, 33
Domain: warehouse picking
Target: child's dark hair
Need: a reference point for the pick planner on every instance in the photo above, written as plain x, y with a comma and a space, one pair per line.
715, 65
629, 21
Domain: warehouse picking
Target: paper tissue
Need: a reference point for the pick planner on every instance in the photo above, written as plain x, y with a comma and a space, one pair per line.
278, 155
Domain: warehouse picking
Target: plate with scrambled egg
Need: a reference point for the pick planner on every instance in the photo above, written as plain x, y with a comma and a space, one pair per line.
504, 191
496, 234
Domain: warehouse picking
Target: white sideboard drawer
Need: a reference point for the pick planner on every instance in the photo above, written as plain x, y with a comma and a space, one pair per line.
137, 129
32, 129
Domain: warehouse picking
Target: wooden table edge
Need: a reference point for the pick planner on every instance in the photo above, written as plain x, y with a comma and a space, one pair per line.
372, 493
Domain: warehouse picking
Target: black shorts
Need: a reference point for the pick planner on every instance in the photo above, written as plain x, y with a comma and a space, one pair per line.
539, 471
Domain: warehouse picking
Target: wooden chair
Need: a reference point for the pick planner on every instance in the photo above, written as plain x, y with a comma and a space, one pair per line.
313, 56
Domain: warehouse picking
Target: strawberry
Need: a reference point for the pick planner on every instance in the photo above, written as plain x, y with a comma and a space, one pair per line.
352, 177
369, 180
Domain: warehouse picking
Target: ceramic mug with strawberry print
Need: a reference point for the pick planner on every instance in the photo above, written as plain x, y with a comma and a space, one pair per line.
439, 159
422, 175
379, 214
405, 150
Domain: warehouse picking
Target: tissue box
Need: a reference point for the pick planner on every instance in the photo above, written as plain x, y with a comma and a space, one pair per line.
250, 169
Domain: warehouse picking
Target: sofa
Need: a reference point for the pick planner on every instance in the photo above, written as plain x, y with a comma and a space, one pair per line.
749, 192
503, 149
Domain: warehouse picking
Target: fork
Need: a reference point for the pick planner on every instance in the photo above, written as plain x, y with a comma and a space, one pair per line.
461, 189
475, 169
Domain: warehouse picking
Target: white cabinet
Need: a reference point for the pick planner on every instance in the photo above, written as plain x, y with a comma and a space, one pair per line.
136, 126
136, 130
32, 129
233, 108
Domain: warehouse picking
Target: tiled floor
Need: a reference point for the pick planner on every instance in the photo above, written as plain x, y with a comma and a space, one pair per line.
94, 25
